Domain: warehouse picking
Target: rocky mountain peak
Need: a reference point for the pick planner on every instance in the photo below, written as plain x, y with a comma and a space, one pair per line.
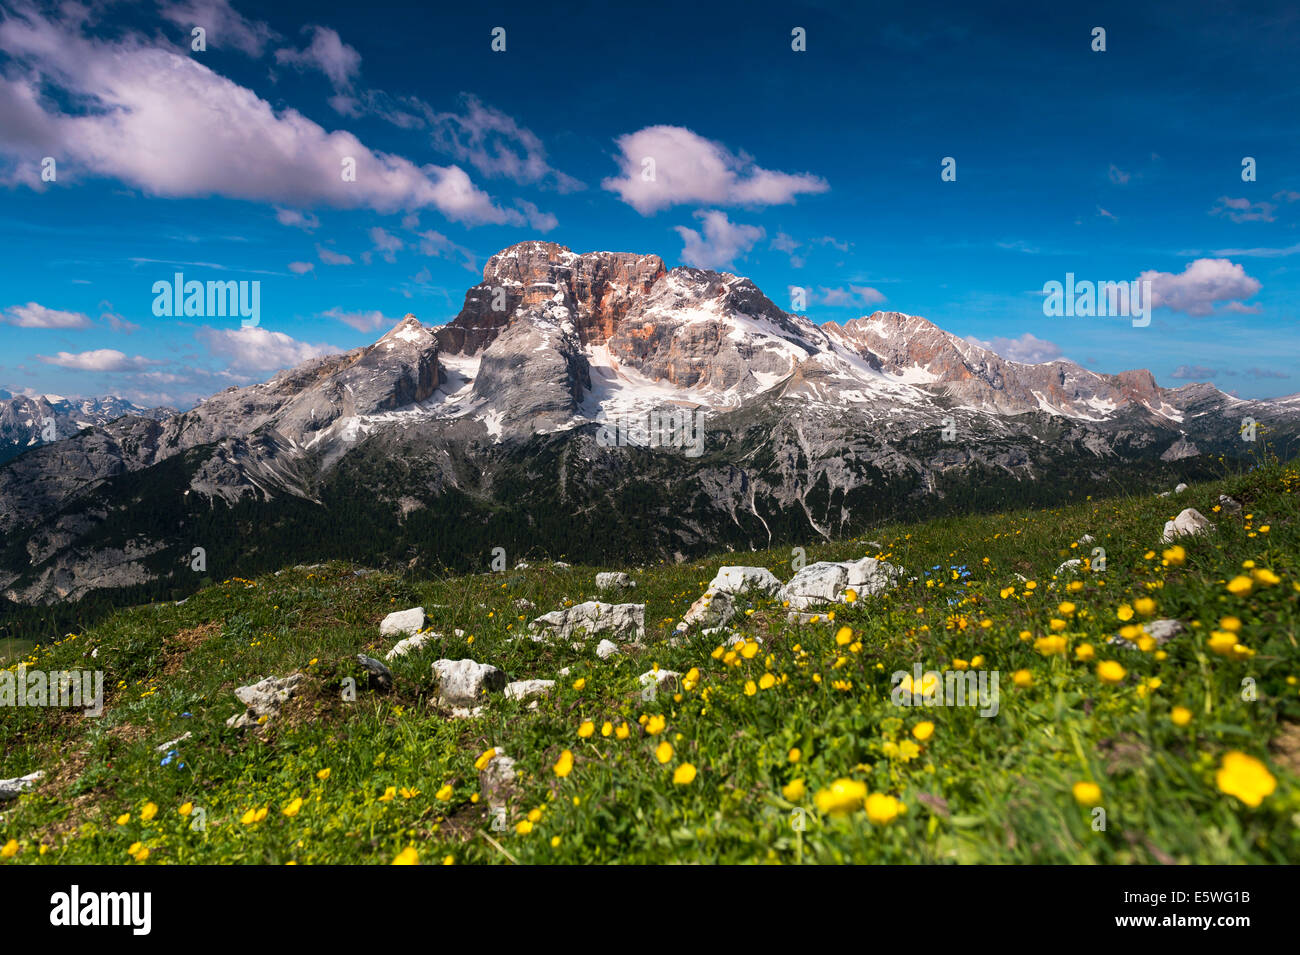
598, 289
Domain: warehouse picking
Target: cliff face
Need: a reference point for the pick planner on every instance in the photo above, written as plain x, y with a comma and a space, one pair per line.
597, 288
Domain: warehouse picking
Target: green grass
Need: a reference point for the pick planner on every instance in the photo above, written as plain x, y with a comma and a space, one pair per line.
993, 790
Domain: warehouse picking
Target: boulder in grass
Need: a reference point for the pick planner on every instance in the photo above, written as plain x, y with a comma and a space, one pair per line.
464, 683
742, 580
380, 677
714, 608
528, 689
263, 699
1188, 523
661, 679
409, 622
614, 581
826, 582
404, 647
623, 622
13, 788
606, 649
1162, 631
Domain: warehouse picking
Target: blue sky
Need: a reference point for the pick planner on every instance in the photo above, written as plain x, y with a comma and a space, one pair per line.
818, 169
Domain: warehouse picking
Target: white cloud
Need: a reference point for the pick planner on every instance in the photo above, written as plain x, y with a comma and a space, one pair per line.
436, 245
101, 359
787, 244
330, 257
496, 145
224, 27
387, 244
721, 243
300, 268
860, 295
297, 219
691, 169
541, 221
145, 116
1027, 349
257, 349
33, 315
362, 321
1243, 210
1200, 286
327, 53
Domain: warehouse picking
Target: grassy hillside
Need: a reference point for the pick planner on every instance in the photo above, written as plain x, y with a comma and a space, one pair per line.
796, 717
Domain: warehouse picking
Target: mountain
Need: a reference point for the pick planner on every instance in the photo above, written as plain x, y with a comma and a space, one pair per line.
593, 405
26, 421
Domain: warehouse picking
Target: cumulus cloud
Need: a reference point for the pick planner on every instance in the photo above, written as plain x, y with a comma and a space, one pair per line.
495, 144
1266, 373
1243, 210
258, 349
144, 115
1200, 286
225, 27
101, 359
1028, 349
722, 242
327, 53
34, 315
300, 268
687, 168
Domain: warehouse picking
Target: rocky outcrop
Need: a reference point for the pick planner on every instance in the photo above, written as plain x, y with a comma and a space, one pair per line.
597, 289
1188, 522
623, 622
409, 622
743, 580
827, 582
264, 699
464, 683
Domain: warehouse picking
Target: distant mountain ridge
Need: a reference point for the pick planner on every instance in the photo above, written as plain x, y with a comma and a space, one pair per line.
436, 443
30, 420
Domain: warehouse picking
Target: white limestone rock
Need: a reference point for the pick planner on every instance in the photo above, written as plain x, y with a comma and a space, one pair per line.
13, 788
714, 608
826, 581
743, 580
623, 622
464, 683
527, 689
1188, 522
264, 699
404, 647
614, 581
409, 622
